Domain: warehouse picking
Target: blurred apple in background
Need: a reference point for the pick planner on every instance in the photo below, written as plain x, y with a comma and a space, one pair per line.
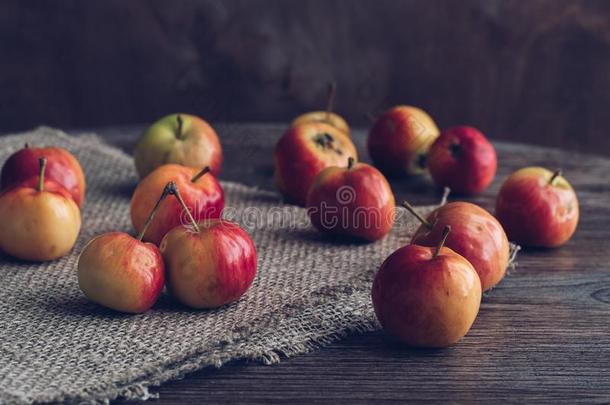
303, 151
399, 140
178, 138
426, 296
354, 200
209, 263
61, 167
475, 234
327, 117
40, 221
538, 207
201, 191
462, 159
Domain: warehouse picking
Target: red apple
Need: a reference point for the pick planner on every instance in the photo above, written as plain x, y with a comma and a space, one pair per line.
538, 207
123, 273
61, 167
475, 234
328, 116
178, 138
201, 192
462, 159
399, 140
39, 222
210, 263
426, 297
354, 201
303, 151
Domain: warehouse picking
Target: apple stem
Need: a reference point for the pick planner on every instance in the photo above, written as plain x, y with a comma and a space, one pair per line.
26, 145
42, 164
446, 232
446, 192
200, 174
370, 116
350, 162
556, 174
330, 99
174, 190
421, 219
180, 124
164, 194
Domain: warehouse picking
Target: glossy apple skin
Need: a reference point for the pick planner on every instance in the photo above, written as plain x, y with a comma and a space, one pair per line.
38, 225
302, 153
356, 202
332, 119
475, 234
399, 140
120, 272
426, 301
462, 159
204, 198
211, 268
196, 146
62, 167
536, 213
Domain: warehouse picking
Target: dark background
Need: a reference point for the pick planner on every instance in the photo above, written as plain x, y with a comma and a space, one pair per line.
535, 71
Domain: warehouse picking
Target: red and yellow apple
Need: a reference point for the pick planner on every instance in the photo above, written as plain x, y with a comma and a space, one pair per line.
61, 167
426, 296
475, 234
210, 263
538, 207
354, 201
201, 191
39, 222
303, 152
178, 138
399, 140
327, 117
462, 159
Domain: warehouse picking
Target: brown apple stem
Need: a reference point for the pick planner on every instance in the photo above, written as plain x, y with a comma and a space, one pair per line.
421, 219
200, 174
42, 164
174, 190
446, 192
26, 145
446, 232
556, 174
330, 99
350, 162
180, 124
370, 116
164, 194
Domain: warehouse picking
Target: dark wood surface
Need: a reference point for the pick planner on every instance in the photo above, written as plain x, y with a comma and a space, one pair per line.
543, 335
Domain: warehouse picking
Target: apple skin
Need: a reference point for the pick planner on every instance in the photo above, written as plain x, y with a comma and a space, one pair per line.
426, 301
356, 201
462, 159
399, 140
62, 167
326, 117
194, 144
120, 272
204, 198
38, 225
475, 234
209, 268
534, 212
301, 154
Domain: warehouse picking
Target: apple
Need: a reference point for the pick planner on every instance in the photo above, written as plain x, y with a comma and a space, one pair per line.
328, 116
39, 222
426, 296
210, 263
178, 138
301, 154
353, 201
538, 207
399, 140
61, 167
121, 272
475, 234
462, 159
200, 189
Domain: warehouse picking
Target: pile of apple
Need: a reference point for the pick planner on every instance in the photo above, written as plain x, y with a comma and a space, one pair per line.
428, 292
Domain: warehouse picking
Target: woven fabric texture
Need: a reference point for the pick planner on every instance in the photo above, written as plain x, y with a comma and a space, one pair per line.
55, 345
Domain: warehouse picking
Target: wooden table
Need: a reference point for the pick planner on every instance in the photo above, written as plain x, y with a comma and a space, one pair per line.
543, 335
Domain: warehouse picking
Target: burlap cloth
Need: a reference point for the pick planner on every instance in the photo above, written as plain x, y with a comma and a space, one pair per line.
55, 345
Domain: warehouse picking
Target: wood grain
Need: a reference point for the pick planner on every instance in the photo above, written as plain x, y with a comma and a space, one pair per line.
542, 336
